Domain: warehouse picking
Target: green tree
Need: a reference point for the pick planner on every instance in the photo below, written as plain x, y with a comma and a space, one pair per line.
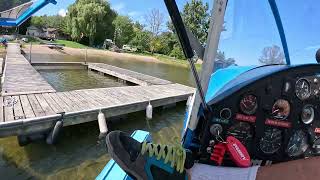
272, 55
57, 22
197, 19
124, 30
38, 21
155, 44
138, 26
220, 56
141, 40
177, 52
91, 19
226, 61
168, 40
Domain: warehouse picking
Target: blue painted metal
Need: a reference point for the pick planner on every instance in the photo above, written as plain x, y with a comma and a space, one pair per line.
187, 141
112, 170
27, 14
277, 17
223, 76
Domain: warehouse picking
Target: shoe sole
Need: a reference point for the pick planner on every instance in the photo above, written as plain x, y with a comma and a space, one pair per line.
119, 162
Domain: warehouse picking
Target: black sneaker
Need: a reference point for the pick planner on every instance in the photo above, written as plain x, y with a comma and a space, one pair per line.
147, 161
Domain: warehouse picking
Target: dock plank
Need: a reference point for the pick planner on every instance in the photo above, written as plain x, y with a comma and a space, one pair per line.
83, 101
72, 106
55, 106
8, 110
26, 106
37, 109
17, 109
61, 103
105, 94
89, 99
45, 106
76, 100
92, 95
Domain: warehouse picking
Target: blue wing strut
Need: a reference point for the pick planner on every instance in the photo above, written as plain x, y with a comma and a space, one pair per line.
27, 14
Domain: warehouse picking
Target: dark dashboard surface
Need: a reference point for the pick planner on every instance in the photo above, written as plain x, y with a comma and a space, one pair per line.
276, 115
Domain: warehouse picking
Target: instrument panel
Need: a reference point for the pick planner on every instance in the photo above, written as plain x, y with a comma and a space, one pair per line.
276, 118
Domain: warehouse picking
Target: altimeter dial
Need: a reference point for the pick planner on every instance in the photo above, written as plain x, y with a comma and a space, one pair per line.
249, 104
302, 89
271, 142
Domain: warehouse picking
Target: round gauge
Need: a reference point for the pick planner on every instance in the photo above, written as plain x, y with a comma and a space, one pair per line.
298, 144
225, 113
302, 89
243, 132
307, 114
281, 109
249, 104
271, 141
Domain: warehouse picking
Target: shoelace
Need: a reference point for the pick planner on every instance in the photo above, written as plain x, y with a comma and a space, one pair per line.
174, 154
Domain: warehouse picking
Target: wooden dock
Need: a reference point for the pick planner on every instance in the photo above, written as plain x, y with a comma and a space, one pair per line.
29, 113
35, 107
19, 77
127, 75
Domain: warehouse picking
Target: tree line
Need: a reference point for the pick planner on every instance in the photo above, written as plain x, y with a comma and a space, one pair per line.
92, 21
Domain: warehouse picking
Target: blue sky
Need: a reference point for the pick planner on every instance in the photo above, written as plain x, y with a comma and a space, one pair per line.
250, 25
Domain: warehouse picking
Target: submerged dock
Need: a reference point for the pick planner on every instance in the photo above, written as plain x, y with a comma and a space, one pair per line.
28, 104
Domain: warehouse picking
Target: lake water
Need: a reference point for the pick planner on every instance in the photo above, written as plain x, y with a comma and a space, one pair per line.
79, 154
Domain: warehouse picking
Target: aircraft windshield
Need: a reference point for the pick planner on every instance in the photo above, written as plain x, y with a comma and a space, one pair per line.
251, 36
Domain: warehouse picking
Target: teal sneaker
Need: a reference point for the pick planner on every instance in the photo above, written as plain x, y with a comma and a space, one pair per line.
147, 161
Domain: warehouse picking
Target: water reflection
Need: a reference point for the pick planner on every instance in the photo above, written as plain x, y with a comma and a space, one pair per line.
173, 73
68, 80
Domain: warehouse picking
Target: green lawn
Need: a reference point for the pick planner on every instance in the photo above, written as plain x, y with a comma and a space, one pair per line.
71, 44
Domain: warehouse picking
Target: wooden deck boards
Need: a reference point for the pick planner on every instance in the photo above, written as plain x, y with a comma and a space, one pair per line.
127, 75
19, 77
117, 100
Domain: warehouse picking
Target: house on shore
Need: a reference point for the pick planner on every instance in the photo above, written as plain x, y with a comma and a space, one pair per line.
43, 33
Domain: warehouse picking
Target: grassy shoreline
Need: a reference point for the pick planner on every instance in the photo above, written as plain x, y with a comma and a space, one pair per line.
163, 58
72, 44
